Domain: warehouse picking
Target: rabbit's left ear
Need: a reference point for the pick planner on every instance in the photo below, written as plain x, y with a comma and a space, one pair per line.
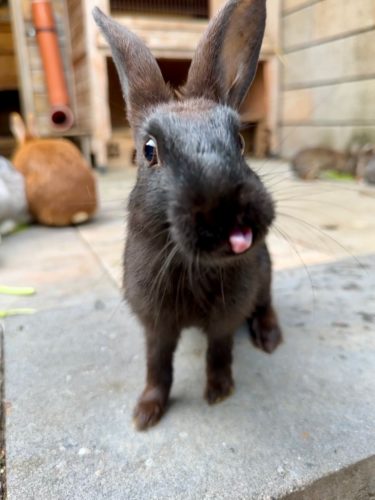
226, 59
17, 127
141, 80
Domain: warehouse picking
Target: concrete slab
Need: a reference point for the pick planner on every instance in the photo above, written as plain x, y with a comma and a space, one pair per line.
57, 263
106, 237
2, 420
305, 412
290, 412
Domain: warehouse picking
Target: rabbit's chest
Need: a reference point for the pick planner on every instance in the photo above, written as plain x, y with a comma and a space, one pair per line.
209, 300
220, 304
207, 297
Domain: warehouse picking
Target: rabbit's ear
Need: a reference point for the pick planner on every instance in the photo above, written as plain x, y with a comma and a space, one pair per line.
140, 77
17, 127
226, 59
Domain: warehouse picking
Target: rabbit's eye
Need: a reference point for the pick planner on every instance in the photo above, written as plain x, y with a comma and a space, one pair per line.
241, 142
150, 152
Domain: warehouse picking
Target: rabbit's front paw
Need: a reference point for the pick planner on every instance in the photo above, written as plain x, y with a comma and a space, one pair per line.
218, 389
149, 409
265, 332
264, 339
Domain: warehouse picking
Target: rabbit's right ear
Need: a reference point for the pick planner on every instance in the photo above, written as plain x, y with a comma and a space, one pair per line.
140, 76
17, 127
226, 59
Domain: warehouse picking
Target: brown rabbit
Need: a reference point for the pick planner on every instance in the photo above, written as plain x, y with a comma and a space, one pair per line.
366, 164
198, 215
309, 163
369, 174
60, 186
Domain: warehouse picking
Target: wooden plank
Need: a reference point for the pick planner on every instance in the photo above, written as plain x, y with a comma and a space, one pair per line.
292, 5
24, 9
74, 9
160, 23
164, 36
9, 77
4, 13
81, 89
175, 44
34, 59
6, 42
215, 5
45, 121
98, 91
272, 89
78, 49
7, 146
66, 51
79, 63
18, 29
76, 27
342, 59
84, 113
293, 139
78, 44
158, 52
324, 20
253, 108
345, 102
272, 34
41, 104
38, 81
164, 40
81, 70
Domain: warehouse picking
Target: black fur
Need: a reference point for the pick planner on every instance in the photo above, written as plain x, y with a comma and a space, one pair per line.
180, 269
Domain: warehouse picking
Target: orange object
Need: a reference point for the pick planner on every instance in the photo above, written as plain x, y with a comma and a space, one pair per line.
61, 115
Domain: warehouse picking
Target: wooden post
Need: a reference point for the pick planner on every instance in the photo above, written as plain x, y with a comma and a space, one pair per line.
272, 91
215, 5
20, 45
98, 82
272, 68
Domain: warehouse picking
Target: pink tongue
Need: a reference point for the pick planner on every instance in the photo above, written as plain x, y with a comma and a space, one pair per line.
241, 239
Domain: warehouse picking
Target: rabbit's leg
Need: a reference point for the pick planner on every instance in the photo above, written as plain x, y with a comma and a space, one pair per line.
265, 331
219, 370
153, 401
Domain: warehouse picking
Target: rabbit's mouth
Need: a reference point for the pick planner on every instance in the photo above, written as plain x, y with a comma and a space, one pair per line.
240, 239
219, 236
228, 245
218, 244
236, 243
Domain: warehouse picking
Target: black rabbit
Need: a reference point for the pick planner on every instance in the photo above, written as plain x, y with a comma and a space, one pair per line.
198, 215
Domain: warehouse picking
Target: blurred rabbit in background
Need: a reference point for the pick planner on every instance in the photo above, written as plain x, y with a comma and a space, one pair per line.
60, 186
13, 203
